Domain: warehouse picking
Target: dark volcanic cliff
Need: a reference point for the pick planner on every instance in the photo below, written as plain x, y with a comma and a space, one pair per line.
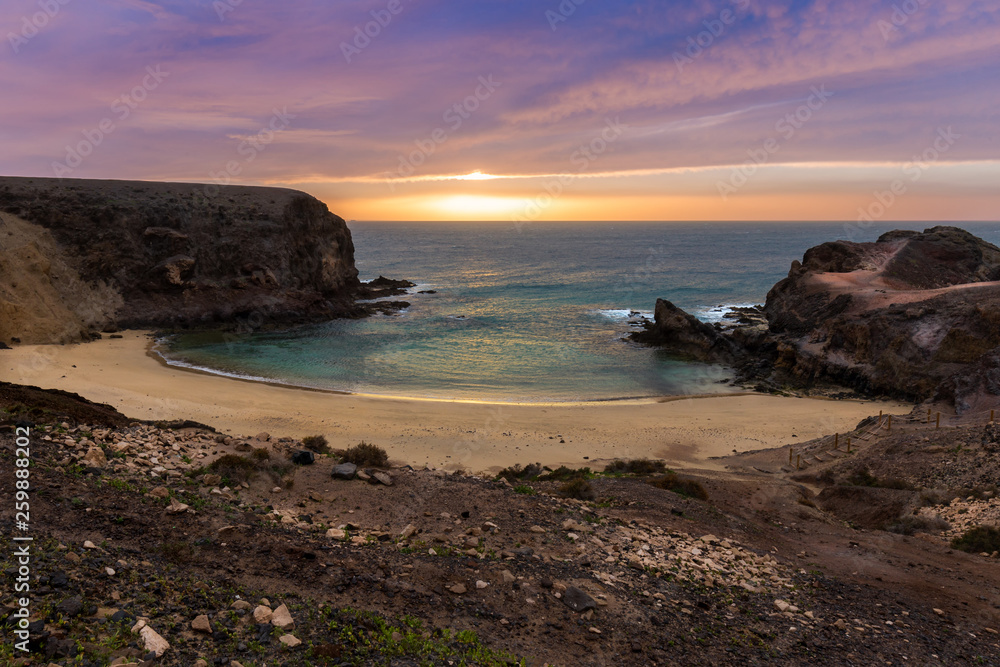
915, 315
166, 254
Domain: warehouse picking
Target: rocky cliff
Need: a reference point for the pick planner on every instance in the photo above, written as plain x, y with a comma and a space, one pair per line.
83, 255
914, 315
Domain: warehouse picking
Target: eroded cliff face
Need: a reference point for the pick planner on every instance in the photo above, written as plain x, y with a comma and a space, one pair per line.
912, 314
165, 254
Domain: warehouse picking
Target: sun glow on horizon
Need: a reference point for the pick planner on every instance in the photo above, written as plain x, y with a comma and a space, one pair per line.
478, 207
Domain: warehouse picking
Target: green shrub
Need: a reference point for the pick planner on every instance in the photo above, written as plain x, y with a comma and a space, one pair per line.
578, 488
316, 443
864, 477
562, 473
683, 487
982, 539
636, 467
364, 454
234, 467
909, 525
260, 454
525, 490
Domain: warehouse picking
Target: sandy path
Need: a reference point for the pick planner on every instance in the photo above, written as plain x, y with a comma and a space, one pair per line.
474, 436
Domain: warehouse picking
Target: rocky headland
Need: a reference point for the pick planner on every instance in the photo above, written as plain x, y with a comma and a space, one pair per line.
913, 315
78, 257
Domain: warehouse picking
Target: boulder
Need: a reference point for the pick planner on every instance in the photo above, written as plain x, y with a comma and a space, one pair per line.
303, 457
344, 471
201, 624
381, 477
577, 600
263, 614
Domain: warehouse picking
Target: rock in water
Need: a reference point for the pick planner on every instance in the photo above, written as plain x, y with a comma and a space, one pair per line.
577, 600
684, 334
303, 457
344, 471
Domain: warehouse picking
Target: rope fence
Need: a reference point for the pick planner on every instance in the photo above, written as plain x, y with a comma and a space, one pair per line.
835, 445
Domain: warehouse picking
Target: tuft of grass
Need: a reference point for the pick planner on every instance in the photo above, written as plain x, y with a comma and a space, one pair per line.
364, 454
684, 487
316, 443
260, 454
562, 473
578, 488
524, 490
982, 539
636, 467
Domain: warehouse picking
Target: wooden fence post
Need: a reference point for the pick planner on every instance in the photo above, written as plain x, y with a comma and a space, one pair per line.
928, 420
890, 422
798, 461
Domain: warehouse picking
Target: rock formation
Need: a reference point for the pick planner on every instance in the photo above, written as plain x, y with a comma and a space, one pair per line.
78, 256
913, 315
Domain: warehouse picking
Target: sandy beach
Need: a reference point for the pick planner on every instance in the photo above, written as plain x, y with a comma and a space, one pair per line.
474, 436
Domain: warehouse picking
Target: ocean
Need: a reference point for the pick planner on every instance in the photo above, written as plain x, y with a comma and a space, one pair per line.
529, 313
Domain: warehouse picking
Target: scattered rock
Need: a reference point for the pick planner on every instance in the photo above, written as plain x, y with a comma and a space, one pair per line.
201, 624
408, 532
382, 478
336, 534
153, 642
263, 614
212, 480
480, 584
458, 589
282, 618
289, 640
577, 600
176, 507
159, 492
241, 604
95, 458
70, 607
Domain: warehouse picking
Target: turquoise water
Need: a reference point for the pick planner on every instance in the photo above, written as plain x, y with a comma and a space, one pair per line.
530, 313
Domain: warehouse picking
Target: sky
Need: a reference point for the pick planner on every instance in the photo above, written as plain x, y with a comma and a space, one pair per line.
866, 110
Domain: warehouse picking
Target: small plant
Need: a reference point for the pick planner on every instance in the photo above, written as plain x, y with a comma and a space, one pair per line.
525, 490
364, 454
982, 539
316, 443
260, 454
684, 487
